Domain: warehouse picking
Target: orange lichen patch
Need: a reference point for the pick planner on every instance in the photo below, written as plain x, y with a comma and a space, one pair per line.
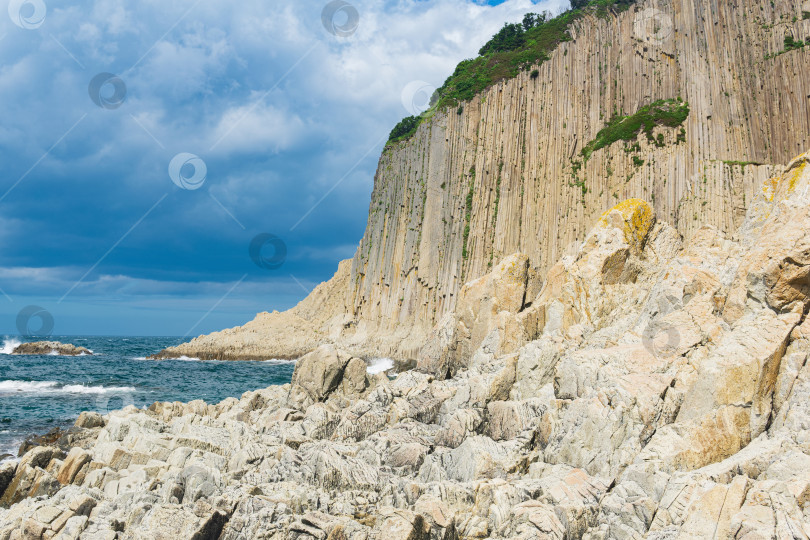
794, 176
769, 188
790, 178
638, 217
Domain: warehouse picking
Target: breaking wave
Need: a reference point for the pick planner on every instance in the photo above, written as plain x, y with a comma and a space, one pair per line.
51, 387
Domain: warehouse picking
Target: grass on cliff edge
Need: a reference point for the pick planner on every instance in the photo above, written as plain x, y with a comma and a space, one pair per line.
664, 112
513, 49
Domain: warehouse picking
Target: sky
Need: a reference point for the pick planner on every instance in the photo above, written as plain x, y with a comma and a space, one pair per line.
174, 168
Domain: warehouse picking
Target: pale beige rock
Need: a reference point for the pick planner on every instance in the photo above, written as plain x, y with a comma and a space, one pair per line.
89, 419
322, 371
75, 460
402, 525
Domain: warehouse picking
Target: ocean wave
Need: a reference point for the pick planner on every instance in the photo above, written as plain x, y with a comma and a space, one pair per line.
52, 387
9, 345
378, 365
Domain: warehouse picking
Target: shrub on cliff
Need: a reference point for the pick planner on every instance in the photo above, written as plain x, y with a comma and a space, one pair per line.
664, 112
517, 47
405, 129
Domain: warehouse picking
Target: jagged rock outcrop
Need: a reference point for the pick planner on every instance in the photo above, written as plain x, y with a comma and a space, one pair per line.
498, 176
651, 389
51, 347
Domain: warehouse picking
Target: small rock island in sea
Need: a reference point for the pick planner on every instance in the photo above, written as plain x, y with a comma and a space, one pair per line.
51, 347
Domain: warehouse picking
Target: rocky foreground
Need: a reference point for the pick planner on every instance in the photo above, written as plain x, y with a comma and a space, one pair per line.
51, 347
650, 390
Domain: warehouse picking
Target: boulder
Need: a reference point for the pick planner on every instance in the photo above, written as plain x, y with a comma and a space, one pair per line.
89, 420
75, 460
483, 306
396, 524
7, 471
322, 371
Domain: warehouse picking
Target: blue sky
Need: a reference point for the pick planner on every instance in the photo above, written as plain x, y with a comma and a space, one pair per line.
288, 118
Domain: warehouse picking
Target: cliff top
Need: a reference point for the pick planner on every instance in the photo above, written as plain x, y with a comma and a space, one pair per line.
516, 47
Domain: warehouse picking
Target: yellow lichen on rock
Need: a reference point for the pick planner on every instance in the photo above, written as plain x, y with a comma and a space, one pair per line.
769, 188
637, 216
794, 175
781, 187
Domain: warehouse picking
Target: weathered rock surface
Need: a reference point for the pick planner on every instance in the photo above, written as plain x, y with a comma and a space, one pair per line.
51, 347
651, 389
513, 146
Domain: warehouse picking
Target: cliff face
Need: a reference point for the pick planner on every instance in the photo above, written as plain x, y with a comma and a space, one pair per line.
497, 175
512, 148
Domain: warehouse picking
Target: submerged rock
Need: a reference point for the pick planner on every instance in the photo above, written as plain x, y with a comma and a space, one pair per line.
51, 347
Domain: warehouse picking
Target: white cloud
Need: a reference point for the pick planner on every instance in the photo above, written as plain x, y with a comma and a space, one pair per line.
257, 127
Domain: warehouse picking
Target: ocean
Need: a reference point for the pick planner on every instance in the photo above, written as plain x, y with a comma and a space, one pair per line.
39, 393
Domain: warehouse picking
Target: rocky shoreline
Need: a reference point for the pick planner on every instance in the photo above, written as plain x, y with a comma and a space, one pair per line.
652, 389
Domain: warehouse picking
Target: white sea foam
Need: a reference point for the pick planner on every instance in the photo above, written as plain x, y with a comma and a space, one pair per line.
10, 449
9, 345
378, 365
51, 387
277, 362
82, 389
26, 386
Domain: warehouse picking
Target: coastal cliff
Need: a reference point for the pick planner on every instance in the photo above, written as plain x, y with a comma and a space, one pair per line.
600, 269
664, 396
506, 171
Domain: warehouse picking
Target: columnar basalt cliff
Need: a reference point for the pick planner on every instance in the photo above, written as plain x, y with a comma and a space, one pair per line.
504, 172
664, 395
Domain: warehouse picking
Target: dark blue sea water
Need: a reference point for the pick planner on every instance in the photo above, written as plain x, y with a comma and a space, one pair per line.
38, 393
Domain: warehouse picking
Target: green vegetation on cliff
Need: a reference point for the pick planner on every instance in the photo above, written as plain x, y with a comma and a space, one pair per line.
405, 129
468, 214
516, 47
791, 44
664, 112
670, 113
